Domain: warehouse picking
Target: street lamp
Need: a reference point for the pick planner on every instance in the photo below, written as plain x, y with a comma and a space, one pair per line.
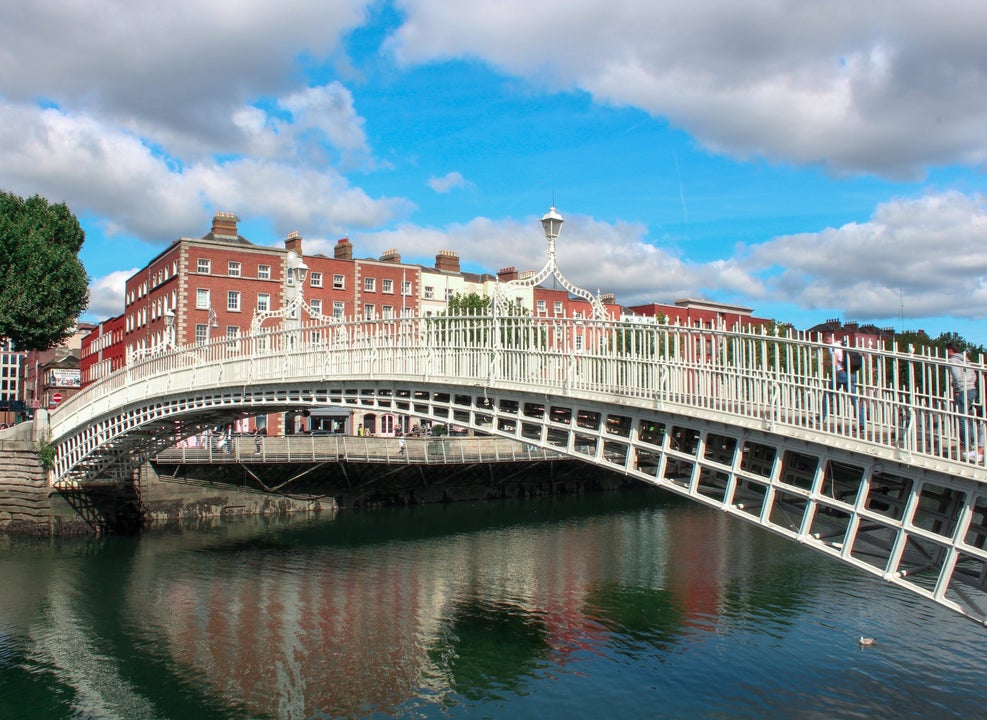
294, 290
169, 321
551, 224
211, 322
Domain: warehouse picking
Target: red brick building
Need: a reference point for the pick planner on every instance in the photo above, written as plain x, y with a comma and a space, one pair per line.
701, 314
102, 350
854, 334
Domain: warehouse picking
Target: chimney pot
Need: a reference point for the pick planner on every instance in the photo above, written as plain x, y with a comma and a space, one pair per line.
343, 249
224, 224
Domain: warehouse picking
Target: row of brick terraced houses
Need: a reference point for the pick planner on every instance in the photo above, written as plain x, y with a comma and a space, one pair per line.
212, 287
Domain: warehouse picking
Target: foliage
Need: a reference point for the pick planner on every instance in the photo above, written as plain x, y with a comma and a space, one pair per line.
922, 345
43, 285
469, 304
440, 430
46, 454
468, 316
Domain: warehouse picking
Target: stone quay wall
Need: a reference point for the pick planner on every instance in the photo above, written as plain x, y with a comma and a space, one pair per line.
24, 504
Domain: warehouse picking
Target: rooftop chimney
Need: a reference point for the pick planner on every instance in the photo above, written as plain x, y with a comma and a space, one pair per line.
343, 250
391, 256
224, 225
294, 242
506, 274
447, 261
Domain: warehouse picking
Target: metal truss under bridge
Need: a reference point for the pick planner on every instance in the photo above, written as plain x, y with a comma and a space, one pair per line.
742, 421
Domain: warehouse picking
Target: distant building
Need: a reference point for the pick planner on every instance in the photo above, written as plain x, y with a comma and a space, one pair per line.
102, 350
690, 312
220, 285
50, 377
12, 408
854, 334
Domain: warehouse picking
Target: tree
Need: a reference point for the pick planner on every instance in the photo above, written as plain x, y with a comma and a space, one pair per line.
43, 284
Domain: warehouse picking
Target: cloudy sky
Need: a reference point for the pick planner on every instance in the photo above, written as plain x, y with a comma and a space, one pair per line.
809, 159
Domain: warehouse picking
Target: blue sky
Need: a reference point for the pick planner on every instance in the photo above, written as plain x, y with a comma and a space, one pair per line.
809, 160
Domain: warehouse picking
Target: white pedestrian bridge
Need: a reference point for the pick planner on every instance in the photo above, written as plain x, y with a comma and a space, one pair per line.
742, 421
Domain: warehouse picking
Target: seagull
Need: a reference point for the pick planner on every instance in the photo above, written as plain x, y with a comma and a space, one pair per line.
865, 641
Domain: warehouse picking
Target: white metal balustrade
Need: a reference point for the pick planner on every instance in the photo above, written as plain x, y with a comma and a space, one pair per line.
739, 420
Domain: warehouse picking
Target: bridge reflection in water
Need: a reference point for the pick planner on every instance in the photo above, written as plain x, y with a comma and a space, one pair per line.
742, 421
611, 606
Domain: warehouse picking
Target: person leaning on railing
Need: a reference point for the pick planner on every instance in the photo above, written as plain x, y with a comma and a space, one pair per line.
964, 381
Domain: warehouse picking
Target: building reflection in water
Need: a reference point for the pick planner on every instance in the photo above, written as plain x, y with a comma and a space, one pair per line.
350, 629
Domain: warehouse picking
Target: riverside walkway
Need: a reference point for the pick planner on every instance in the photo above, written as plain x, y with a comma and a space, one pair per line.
295, 449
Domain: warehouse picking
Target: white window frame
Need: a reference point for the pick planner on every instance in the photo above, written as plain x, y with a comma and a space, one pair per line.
233, 300
338, 282
263, 302
369, 284
233, 268
387, 286
263, 272
202, 299
203, 265
315, 279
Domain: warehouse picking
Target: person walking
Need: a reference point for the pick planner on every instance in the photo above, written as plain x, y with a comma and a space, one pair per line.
965, 398
841, 378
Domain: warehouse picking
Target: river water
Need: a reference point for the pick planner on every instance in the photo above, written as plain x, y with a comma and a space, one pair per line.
634, 605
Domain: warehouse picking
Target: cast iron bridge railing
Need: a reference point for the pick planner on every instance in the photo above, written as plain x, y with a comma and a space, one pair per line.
744, 421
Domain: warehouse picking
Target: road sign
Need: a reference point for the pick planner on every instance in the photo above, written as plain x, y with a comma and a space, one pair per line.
56, 398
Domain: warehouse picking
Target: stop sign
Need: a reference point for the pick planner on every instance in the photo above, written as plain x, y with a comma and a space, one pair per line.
56, 398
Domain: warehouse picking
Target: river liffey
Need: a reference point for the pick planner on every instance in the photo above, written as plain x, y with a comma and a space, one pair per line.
619, 606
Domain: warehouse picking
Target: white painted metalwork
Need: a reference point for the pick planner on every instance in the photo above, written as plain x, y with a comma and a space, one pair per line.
742, 421
296, 272
552, 225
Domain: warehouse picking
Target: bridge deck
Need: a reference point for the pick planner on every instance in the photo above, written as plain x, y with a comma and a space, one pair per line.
750, 423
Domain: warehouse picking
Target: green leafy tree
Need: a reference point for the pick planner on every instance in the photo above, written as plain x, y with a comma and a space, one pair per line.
43, 285
469, 304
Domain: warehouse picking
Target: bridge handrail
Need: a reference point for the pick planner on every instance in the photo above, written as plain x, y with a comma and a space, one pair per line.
781, 379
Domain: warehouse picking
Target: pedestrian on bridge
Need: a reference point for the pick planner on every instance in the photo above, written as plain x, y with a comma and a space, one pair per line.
966, 397
841, 378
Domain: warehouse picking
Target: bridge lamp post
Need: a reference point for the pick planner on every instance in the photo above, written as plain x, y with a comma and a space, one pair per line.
297, 272
169, 321
551, 222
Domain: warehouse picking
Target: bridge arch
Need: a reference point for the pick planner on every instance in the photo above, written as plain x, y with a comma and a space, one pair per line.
730, 421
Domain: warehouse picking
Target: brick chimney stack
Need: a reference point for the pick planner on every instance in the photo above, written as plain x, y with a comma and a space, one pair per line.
391, 256
224, 225
343, 249
447, 261
507, 274
294, 242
